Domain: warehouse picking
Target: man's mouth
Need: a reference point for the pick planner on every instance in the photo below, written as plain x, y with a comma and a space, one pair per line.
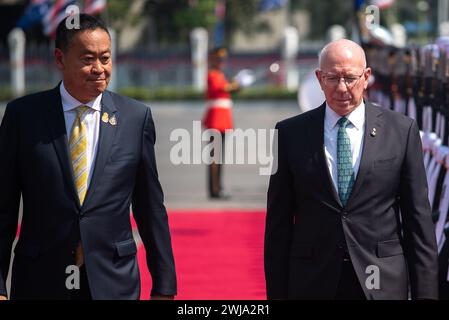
97, 80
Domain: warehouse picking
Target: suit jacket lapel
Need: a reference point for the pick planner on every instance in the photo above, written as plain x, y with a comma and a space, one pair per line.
370, 146
105, 139
316, 138
56, 125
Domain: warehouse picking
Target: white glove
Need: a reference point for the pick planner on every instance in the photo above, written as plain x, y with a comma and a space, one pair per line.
245, 78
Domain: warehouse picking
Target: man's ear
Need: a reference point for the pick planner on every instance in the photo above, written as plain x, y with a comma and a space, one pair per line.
59, 58
318, 76
367, 75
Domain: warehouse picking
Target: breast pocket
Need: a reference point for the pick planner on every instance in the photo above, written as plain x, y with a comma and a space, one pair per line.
128, 157
385, 163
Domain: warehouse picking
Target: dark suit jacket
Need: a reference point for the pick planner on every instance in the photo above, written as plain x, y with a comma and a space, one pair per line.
386, 222
35, 163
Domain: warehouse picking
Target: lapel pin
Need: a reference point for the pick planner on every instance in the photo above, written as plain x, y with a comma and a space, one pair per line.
105, 117
113, 120
373, 132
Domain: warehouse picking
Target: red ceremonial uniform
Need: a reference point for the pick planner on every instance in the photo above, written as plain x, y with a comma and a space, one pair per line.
219, 104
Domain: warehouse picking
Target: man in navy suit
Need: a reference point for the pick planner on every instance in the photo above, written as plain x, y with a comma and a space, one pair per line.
347, 213
79, 156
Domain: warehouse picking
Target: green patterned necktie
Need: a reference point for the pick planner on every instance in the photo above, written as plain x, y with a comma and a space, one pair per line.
344, 162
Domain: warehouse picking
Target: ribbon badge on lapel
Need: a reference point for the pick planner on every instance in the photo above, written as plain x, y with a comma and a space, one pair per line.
105, 117
113, 120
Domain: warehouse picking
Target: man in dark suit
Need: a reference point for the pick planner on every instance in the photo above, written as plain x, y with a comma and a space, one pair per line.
347, 211
79, 156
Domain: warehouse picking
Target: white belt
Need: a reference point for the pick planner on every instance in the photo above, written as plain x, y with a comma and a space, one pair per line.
219, 103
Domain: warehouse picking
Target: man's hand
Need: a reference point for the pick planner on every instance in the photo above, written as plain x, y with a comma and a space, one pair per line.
3, 298
161, 297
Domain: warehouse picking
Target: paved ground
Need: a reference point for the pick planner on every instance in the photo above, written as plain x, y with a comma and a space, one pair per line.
185, 185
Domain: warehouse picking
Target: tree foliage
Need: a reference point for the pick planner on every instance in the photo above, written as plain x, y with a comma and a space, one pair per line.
172, 20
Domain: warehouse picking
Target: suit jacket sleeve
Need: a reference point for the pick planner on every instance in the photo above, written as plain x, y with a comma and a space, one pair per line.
151, 217
418, 230
9, 190
279, 221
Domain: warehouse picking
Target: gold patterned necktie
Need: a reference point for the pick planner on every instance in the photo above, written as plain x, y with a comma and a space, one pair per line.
78, 155
78, 152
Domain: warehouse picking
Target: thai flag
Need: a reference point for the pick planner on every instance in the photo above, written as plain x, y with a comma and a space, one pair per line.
55, 15
382, 4
34, 13
94, 7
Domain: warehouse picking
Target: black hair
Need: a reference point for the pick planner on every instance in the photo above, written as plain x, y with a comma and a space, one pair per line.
86, 22
219, 52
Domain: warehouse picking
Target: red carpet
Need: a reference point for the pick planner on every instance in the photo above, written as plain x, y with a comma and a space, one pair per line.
218, 255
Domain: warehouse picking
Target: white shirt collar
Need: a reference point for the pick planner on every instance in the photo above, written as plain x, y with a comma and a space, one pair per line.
356, 117
69, 103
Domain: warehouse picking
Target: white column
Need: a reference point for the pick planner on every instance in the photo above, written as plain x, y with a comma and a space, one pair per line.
399, 35
443, 29
443, 11
16, 41
289, 50
336, 32
199, 45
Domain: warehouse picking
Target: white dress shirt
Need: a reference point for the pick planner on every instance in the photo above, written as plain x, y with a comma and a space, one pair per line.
91, 119
355, 130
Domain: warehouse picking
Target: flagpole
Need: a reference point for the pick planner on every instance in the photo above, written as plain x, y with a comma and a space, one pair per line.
287, 13
356, 34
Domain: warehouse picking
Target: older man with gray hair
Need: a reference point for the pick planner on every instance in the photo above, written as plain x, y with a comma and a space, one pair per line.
347, 211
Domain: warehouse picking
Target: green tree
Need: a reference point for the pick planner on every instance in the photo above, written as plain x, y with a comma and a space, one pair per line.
324, 14
240, 16
174, 19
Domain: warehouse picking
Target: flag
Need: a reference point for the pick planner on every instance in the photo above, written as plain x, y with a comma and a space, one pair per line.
94, 7
34, 13
382, 4
358, 4
219, 30
55, 15
266, 5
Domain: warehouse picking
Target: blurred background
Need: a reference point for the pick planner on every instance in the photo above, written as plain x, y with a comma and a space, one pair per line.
154, 38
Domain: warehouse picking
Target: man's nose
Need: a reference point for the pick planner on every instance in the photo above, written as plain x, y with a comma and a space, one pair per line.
97, 67
341, 85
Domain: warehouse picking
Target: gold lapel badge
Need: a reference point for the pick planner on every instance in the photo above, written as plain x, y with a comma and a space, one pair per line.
373, 132
113, 120
105, 117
